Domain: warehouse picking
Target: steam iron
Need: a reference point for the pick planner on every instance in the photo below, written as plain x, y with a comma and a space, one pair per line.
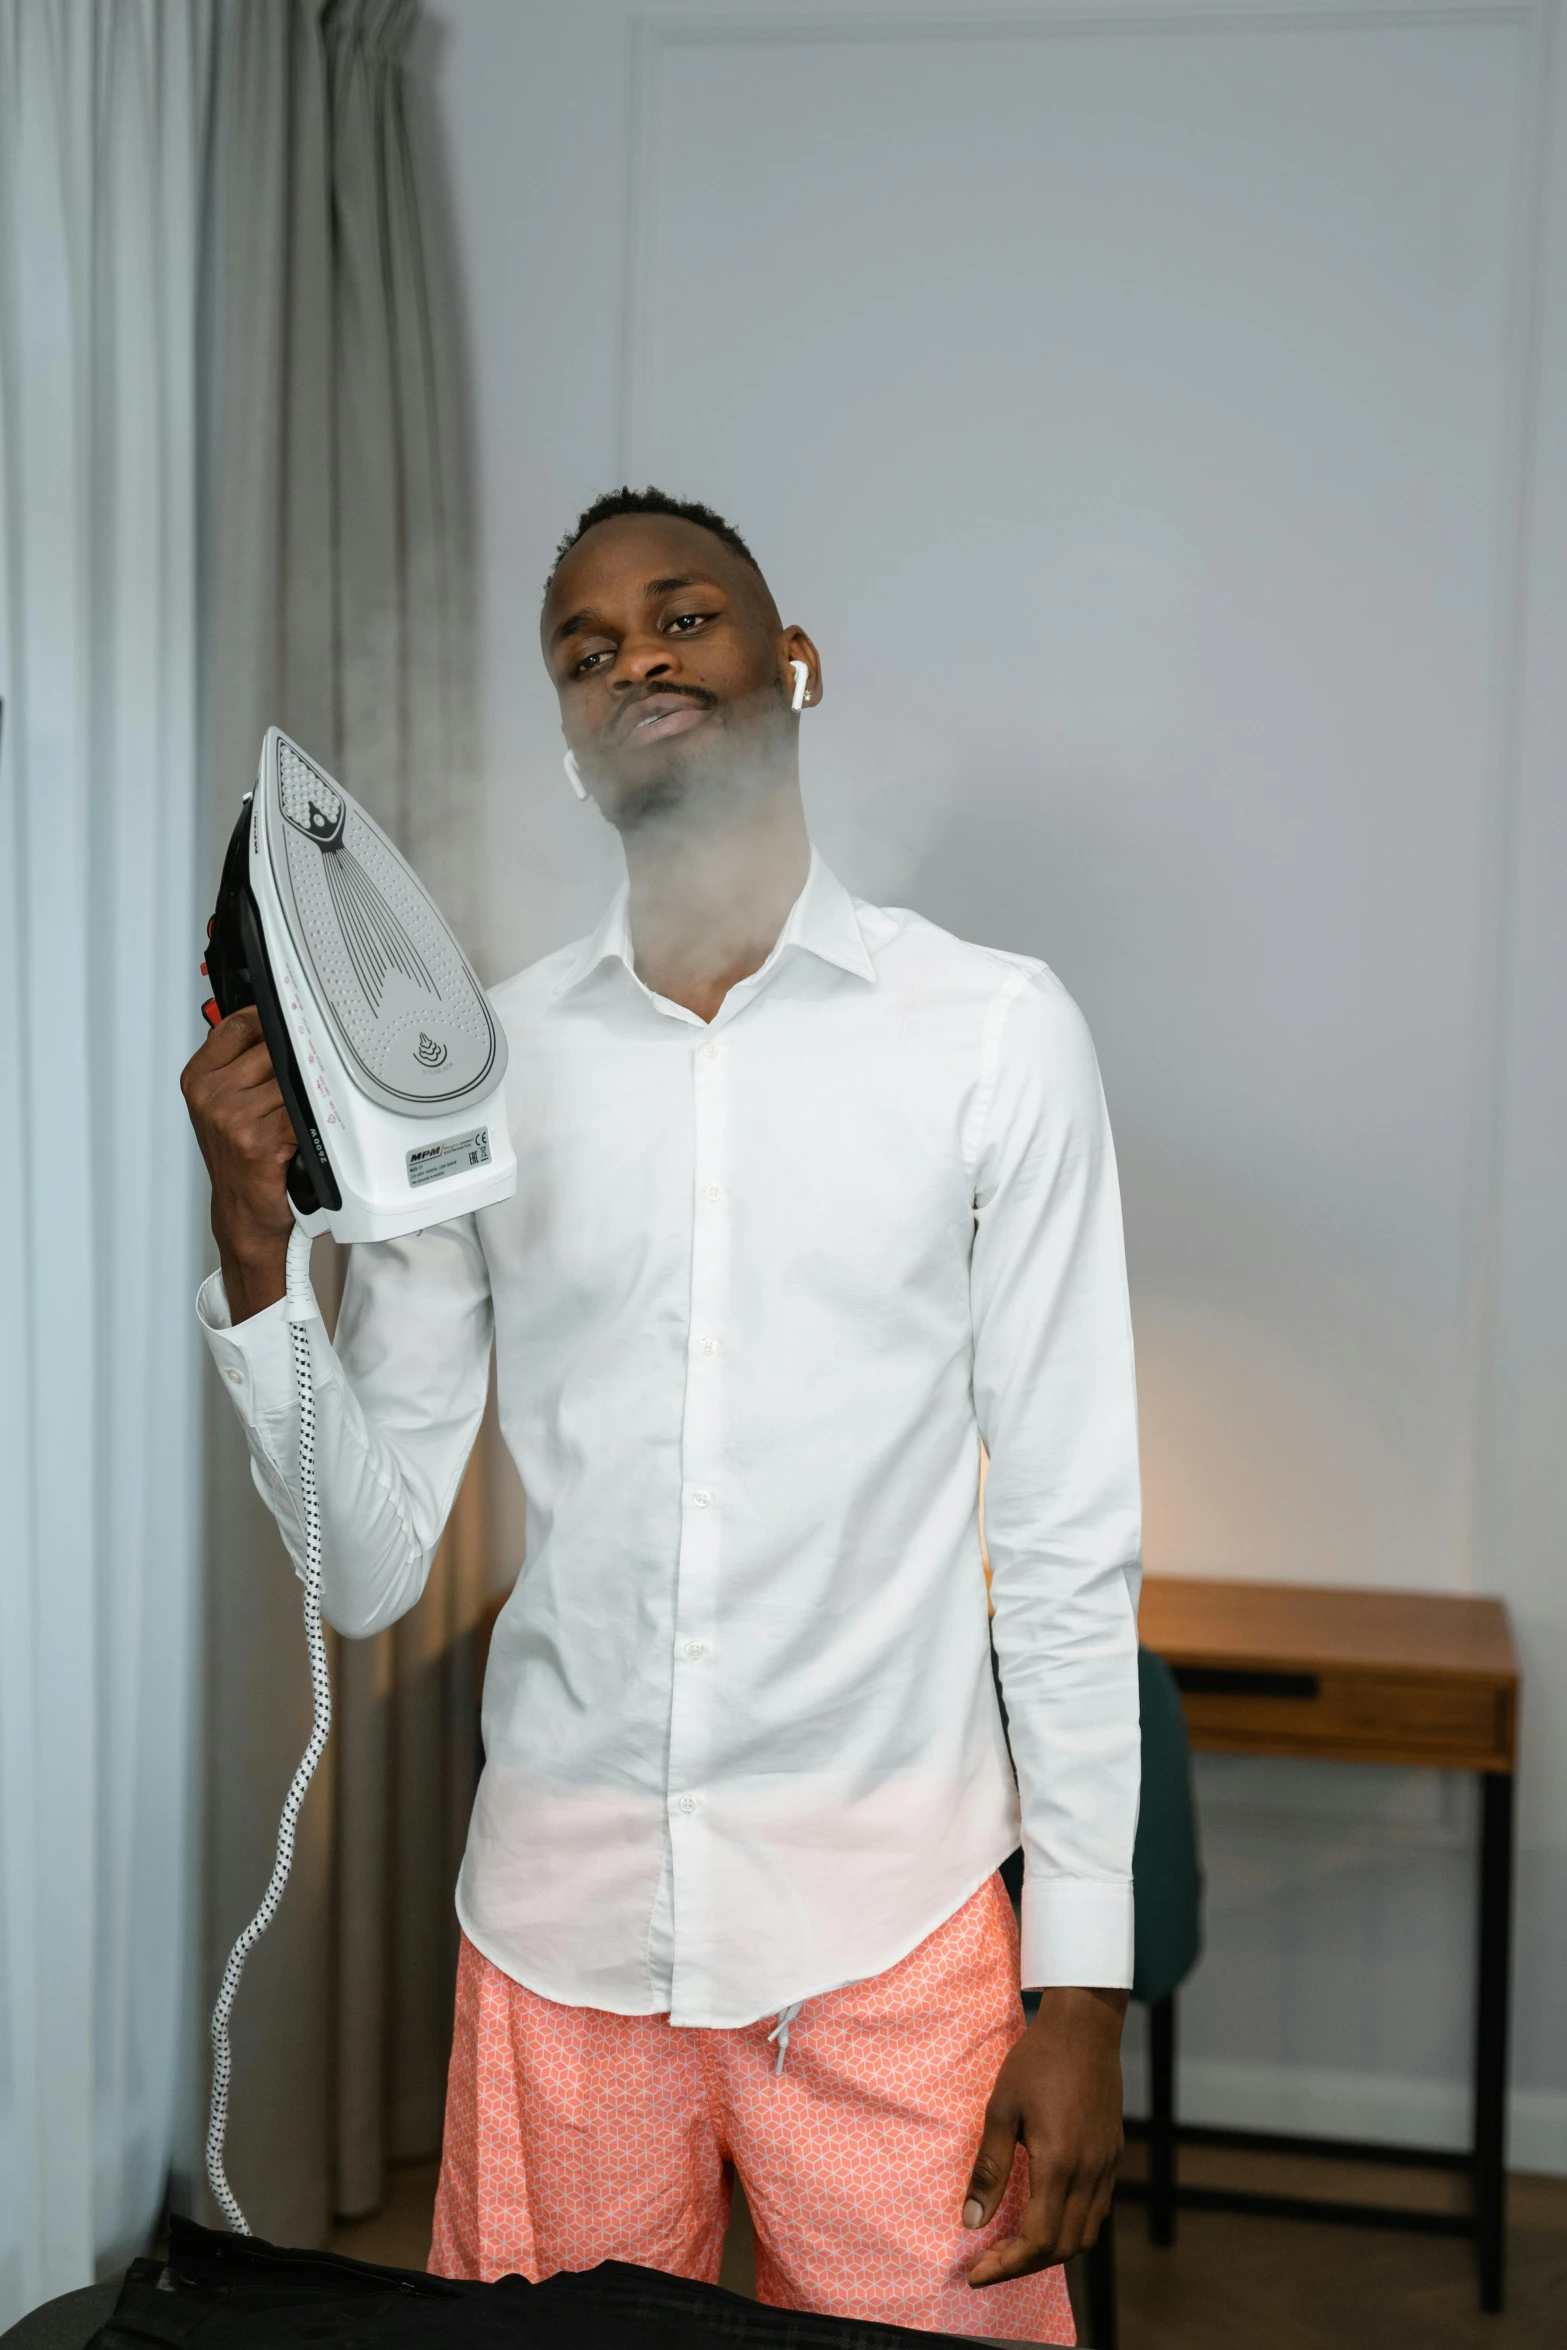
392, 1070
389, 1059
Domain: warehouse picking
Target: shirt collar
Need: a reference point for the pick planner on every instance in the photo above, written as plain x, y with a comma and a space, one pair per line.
609, 943
822, 922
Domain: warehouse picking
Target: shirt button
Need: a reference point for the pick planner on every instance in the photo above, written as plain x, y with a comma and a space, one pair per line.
701, 1497
688, 1803
710, 1051
708, 1346
695, 1648
234, 1378
714, 1191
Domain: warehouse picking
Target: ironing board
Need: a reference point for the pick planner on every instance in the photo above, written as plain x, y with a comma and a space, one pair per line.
240, 2293
68, 2322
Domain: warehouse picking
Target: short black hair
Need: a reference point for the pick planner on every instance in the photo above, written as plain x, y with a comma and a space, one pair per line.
651, 501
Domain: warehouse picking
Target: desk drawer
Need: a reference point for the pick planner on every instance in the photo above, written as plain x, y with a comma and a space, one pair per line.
1442, 1719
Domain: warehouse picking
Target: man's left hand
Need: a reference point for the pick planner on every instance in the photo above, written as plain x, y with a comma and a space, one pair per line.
1060, 2092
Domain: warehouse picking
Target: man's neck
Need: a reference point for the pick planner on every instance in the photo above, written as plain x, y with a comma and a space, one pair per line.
707, 903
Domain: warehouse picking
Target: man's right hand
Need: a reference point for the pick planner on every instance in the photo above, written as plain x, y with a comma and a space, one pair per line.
247, 1140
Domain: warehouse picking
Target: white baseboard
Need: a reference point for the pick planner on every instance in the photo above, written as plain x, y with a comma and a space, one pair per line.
1354, 2105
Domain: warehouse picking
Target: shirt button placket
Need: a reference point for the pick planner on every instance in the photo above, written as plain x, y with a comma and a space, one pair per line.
691, 1795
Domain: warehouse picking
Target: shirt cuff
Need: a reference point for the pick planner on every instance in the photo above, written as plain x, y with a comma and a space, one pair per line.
255, 1359
1076, 1930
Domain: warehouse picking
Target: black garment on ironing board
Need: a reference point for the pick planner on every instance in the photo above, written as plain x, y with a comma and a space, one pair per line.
223, 2292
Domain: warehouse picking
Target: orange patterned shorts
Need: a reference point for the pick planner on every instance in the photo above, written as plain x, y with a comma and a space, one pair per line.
574, 2136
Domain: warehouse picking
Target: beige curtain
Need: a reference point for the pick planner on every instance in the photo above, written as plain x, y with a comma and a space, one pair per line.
339, 610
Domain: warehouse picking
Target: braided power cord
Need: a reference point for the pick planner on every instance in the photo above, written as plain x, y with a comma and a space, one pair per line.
301, 1307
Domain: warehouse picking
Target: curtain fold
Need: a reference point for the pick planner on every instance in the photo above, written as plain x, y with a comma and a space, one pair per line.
340, 583
103, 123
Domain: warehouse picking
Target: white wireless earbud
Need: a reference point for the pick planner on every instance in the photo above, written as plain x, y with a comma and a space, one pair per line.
572, 777
802, 679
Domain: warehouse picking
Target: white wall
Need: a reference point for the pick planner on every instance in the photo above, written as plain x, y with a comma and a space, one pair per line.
1159, 418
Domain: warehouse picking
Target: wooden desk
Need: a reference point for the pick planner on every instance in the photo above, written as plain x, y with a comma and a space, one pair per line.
1405, 1677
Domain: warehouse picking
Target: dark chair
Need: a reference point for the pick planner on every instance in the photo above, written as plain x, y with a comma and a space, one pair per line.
1167, 1883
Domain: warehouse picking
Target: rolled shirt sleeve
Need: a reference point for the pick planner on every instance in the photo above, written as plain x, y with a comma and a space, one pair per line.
398, 1401
1055, 1394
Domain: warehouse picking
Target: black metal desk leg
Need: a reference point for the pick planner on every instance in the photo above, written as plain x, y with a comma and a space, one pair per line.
1490, 2086
1161, 2121
1100, 2264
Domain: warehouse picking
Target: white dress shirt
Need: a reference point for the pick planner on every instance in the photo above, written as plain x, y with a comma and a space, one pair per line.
764, 1288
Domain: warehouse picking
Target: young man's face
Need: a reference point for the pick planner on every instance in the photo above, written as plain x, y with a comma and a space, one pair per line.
672, 670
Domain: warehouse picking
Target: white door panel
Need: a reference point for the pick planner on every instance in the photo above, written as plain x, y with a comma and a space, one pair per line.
1129, 418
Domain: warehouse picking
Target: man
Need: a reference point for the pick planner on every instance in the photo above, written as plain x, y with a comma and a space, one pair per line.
813, 1200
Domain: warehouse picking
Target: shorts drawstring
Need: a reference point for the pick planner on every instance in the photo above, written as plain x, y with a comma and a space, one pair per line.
780, 2031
